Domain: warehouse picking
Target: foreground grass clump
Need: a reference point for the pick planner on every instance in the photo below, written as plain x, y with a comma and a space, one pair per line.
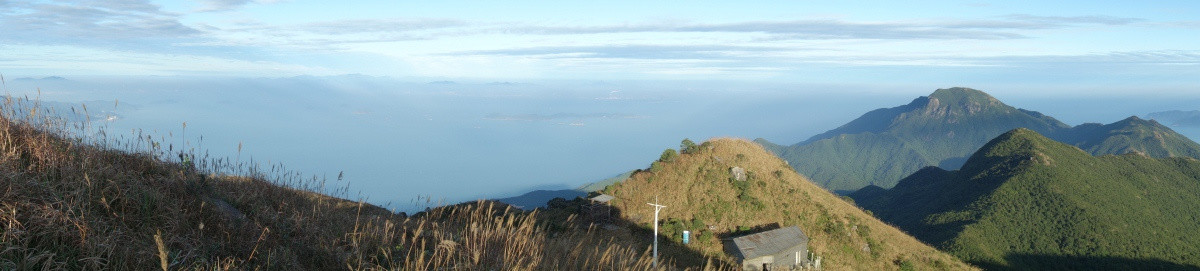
69, 200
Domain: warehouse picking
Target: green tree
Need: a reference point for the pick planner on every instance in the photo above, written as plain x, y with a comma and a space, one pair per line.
668, 156
687, 146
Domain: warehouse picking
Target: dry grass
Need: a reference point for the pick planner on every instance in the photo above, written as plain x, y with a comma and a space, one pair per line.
73, 198
698, 186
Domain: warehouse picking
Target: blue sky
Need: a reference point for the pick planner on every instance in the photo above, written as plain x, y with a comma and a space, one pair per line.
554, 94
1060, 42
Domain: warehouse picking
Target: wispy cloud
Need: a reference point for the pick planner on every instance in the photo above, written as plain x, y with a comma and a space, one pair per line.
98, 22
1000, 28
637, 51
58, 59
332, 34
326, 35
392, 25
222, 5
1122, 58
448, 46
807, 29
1061, 21
1158, 57
560, 116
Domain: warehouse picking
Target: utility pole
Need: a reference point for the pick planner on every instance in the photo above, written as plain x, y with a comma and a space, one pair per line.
656, 209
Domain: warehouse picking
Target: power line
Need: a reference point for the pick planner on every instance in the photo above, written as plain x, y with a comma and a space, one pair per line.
657, 207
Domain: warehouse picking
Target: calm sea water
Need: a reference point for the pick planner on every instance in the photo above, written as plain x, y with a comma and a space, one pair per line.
401, 144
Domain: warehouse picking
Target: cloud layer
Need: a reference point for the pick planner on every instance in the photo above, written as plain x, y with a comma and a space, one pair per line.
104, 22
228, 31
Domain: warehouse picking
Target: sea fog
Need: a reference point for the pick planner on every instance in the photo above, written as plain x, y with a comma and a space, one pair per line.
408, 144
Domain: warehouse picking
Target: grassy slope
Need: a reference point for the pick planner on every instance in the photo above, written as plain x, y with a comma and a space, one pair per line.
1027, 202
699, 190
65, 204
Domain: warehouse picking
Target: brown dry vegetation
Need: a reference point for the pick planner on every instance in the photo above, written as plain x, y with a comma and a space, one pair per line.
81, 202
700, 193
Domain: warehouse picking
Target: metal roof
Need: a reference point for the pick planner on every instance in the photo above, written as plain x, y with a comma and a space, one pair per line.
770, 242
602, 198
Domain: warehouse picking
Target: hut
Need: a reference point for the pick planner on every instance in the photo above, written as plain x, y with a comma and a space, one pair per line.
778, 249
597, 209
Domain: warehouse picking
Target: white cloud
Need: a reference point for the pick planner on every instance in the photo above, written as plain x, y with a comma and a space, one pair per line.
101, 22
140, 36
74, 60
222, 5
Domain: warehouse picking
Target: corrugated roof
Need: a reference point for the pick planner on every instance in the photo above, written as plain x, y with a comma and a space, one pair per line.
603, 198
770, 242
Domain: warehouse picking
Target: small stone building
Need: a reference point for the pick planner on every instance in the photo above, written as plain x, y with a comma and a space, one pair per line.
597, 209
778, 249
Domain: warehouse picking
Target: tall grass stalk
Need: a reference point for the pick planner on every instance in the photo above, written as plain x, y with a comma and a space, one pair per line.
74, 198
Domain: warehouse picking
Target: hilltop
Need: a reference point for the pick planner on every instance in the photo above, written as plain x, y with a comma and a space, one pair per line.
703, 193
943, 129
1131, 135
1024, 201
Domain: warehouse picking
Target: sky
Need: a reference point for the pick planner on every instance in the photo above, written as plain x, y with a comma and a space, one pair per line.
786, 41
462, 100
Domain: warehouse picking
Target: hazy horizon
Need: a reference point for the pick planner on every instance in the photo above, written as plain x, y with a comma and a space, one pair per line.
401, 142
461, 100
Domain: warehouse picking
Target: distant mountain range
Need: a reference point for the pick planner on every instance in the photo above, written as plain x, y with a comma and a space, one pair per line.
1177, 118
1026, 202
942, 129
538, 198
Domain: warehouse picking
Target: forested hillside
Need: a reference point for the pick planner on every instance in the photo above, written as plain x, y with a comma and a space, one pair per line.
1025, 202
942, 129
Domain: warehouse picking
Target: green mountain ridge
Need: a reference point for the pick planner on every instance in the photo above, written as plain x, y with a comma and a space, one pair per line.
1132, 134
943, 129
1024, 194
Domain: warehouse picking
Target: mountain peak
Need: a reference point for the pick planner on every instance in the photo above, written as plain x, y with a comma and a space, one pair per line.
1016, 140
1018, 146
942, 129
1023, 134
1135, 120
961, 94
961, 101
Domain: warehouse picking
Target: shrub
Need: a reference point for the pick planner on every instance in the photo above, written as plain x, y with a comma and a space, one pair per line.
687, 146
656, 166
697, 224
668, 156
907, 265
704, 237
